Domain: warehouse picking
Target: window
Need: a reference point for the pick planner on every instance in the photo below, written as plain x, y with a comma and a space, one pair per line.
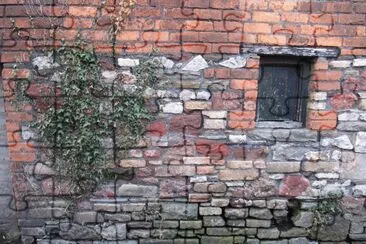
283, 89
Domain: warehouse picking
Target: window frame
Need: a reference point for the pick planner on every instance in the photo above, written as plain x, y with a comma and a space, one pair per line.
304, 69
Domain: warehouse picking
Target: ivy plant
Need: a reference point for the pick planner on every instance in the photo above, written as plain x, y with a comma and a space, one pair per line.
88, 113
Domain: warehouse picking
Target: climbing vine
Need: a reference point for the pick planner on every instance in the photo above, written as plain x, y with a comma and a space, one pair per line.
88, 112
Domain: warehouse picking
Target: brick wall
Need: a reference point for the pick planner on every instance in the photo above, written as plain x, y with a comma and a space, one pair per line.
209, 173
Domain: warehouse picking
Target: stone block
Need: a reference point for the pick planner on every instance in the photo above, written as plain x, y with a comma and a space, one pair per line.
164, 233
114, 232
210, 211
239, 174
133, 163
272, 233
213, 221
179, 211
282, 167
360, 144
190, 224
256, 223
217, 240
133, 190
260, 213
303, 219
236, 213
214, 124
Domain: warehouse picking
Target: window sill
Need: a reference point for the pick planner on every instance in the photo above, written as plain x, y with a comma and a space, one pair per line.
279, 124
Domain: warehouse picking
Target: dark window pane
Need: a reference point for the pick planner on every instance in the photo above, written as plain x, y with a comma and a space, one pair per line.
282, 92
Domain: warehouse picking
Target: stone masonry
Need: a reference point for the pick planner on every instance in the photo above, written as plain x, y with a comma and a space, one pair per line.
206, 171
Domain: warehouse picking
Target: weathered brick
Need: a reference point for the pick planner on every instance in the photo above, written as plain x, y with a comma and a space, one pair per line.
242, 174
283, 167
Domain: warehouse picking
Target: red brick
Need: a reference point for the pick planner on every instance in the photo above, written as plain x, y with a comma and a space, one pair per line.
242, 37
354, 41
242, 115
360, 8
202, 48
196, 4
224, 4
178, 13
244, 73
208, 14
168, 24
147, 12
166, 3
351, 19
272, 39
339, 7
155, 36
222, 73
244, 84
326, 86
322, 115
295, 17
226, 48
198, 25
329, 41
327, 75
322, 124
270, 17
211, 148
128, 36
209, 73
8, 73
242, 125
19, 57
213, 37
229, 26
257, 28
82, 11
251, 95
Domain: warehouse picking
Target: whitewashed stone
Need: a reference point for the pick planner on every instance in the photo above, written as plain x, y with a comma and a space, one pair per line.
343, 142
317, 105
196, 64
215, 114
348, 116
173, 108
359, 62
167, 63
341, 63
362, 104
234, 62
363, 117
109, 75
359, 190
186, 95
167, 94
205, 95
277, 176
319, 184
336, 155
237, 138
44, 62
27, 134
197, 179
360, 145
318, 96
327, 175
128, 62
362, 95
326, 142
214, 124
